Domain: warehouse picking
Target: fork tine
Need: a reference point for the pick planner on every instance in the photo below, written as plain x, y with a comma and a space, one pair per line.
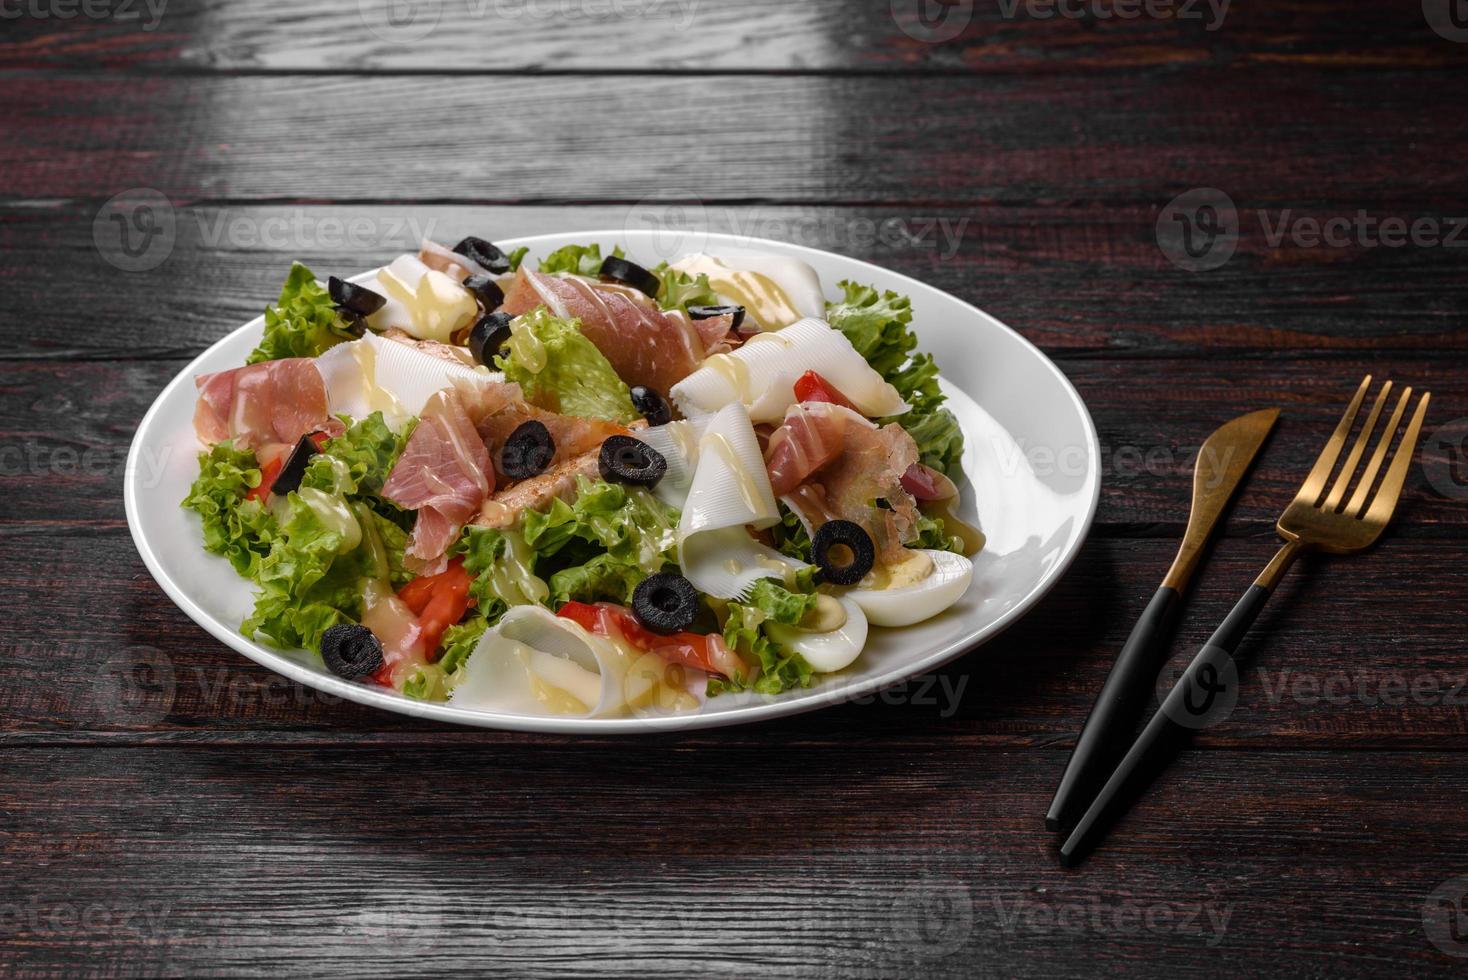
1385, 501
1358, 448
1378, 456
1314, 484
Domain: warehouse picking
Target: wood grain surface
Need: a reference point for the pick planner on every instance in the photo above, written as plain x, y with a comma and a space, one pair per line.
168, 808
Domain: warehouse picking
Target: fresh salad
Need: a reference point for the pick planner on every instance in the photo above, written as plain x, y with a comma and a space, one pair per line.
578, 486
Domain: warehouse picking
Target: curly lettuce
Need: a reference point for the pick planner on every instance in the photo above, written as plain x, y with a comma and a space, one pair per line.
877, 326
562, 371
678, 290
302, 323
581, 260
240, 530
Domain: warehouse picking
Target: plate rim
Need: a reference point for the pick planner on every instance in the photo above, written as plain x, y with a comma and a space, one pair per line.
744, 715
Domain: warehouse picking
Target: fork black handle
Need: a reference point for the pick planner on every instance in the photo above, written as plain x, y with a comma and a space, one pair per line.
1113, 719
1202, 696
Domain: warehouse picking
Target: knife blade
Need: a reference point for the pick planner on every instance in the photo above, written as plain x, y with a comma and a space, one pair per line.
1218, 471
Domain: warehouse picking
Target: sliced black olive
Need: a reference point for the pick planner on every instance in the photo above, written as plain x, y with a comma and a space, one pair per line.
624, 459
486, 290
665, 603
487, 254
709, 312
295, 467
528, 451
351, 651
488, 336
652, 406
354, 298
356, 322
631, 274
850, 537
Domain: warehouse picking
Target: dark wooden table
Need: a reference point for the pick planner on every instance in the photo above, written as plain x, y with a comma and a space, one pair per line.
166, 807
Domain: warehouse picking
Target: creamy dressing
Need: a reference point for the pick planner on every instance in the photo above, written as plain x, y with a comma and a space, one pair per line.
387, 616
718, 444
526, 349
332, 511
765, 301
510, 577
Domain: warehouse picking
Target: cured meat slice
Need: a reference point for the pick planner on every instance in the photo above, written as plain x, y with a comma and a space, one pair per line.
644, 345
827, 462
260, 404
444, 474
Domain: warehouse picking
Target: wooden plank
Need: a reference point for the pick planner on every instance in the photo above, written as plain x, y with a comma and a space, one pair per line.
102, 655
693, 36
69, 425
1082, 282
548, 861
1312, 137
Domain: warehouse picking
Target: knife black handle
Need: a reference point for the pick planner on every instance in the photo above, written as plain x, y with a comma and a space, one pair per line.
1109, 728
1206, 692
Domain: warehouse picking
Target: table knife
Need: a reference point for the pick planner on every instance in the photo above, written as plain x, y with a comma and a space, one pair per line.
1219, 470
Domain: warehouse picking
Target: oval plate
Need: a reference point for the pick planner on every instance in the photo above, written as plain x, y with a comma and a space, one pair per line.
1033, 479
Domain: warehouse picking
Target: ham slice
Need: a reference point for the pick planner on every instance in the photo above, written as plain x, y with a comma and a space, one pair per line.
263, 404
443, 473
644, 345
828, 462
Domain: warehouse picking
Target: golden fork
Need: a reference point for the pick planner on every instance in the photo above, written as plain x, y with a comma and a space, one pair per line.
1320, 518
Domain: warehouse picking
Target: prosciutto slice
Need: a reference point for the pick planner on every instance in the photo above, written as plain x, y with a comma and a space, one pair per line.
263, 404
644, 345
444, 472
828, 462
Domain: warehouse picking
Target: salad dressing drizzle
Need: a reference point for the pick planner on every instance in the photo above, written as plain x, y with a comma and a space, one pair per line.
763, 300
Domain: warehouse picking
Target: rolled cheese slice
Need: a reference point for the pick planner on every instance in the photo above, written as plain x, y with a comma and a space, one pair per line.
761, 374
373, 374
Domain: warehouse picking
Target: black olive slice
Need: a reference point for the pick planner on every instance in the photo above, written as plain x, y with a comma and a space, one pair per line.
487, 254
528, 451
351, 651
486, 290
665, 603
290, 474
852, 538
624, 459
709, 312
630, 274
354, 298
488, 336
651, 405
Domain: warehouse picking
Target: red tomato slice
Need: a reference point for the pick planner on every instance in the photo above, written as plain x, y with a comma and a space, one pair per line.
268, 472
320, 439
811, 387
705, 652
439, 601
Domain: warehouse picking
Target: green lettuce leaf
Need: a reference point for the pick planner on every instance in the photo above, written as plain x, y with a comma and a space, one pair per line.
678, 290
779, 604
877, 326
582, 260
781, 669
302, 323
309, 582
367, 450
239, 529
569, 375
515, 256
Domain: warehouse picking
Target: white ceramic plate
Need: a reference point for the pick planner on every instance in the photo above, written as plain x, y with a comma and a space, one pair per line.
1031, 460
